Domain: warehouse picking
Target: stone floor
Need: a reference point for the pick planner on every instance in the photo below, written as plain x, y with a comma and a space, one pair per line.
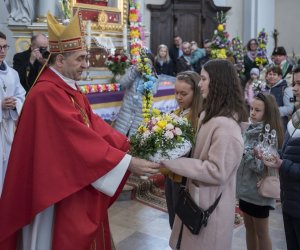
135, 226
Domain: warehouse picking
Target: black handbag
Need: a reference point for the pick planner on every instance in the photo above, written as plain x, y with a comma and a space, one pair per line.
192, 216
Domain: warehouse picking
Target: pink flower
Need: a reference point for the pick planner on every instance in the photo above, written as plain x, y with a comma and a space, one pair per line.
169, 134
177, 131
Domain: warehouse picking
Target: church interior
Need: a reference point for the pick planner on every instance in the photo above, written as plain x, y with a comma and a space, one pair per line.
139, 217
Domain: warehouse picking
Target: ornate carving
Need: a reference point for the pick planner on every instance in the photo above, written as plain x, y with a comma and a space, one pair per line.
104, 18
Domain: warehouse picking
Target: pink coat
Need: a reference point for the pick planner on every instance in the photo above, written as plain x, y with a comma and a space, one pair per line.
212, 170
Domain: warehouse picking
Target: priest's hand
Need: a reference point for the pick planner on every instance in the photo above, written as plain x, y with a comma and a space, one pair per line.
143, 167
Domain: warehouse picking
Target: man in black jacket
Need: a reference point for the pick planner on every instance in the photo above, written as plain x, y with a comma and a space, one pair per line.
176, 51
29, 63
183, 62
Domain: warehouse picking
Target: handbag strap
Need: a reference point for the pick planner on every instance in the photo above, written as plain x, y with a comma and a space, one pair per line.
213, 206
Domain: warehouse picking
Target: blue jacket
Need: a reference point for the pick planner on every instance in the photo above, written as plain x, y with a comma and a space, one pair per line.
290, 171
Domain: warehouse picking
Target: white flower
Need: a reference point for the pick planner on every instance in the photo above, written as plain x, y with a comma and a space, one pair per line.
146, 134
177, 131
169, 126
169, 134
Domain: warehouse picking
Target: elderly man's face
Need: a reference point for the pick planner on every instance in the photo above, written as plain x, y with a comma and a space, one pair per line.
73, 64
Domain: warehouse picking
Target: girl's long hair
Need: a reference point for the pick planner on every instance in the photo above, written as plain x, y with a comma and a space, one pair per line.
271, 115
158, 58
225, 97
192, 78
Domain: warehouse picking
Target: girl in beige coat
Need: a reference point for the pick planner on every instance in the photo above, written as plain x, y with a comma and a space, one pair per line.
215, 159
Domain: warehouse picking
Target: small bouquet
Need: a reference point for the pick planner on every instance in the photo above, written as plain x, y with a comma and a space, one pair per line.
117, 64
261, 57
259, 86
163, 136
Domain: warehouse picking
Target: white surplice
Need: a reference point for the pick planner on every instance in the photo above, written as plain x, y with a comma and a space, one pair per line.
10, 86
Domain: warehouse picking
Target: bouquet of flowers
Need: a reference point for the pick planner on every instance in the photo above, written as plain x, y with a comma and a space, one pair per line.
163, 136
261, 57
238, 53
220, 42
117, 64
259, 86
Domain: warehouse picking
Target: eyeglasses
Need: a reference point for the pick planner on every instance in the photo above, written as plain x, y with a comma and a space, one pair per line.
4, 47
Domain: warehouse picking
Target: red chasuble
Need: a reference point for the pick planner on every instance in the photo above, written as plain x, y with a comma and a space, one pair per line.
54, 158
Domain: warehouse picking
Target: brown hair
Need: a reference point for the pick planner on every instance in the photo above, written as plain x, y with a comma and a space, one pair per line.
271, 115
225, 96
274, 69
249, 43
192, 78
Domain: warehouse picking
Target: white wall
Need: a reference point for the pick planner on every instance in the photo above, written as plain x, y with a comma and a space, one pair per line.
234, 24
7, 32
287, 21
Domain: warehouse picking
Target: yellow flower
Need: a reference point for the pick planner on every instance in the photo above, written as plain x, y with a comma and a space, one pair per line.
156, 111
142, 129
157, 129
162, 123
220, 27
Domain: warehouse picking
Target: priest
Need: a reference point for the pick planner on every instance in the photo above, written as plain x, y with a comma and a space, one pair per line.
67, 166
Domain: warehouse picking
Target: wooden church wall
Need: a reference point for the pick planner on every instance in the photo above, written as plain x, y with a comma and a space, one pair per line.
190, 19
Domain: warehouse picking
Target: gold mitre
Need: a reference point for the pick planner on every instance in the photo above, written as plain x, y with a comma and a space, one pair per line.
66, 38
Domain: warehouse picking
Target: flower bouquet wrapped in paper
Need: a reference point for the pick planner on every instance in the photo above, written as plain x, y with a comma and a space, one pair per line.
161, 137
259, 86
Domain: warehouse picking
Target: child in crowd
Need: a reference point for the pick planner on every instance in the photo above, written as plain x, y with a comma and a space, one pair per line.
249, 92
162, 62
187, 94
263, 110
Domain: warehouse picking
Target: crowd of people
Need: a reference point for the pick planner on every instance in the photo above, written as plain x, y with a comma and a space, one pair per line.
62, 166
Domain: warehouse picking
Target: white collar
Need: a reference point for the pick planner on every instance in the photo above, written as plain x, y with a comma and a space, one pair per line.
70, 82
283, 62
292, 131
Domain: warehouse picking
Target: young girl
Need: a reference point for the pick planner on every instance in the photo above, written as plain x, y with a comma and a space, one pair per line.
215, 158
249, 92
263, 110
187, 94
162, 62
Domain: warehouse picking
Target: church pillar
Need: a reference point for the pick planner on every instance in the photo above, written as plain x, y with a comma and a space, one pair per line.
44, 6
259, 15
